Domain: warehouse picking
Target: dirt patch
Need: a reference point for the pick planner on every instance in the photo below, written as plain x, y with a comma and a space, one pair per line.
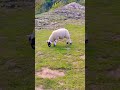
116, 37
48, 73
68, 55
61, 83
39, 88
78, 50
39, 53
82, 57
76, 65
114, 73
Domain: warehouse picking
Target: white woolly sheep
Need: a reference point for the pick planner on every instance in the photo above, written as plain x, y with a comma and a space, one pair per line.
59, 34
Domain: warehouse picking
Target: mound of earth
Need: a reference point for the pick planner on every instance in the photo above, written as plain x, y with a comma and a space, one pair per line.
70, 13
48, 73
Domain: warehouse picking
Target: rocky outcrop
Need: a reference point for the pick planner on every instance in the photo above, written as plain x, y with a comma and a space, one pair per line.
72, 10
58, 17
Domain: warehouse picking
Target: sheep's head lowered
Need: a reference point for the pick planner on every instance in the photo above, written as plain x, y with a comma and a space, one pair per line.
49, 43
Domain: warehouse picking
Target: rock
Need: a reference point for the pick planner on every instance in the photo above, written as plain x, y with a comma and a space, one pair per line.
74, 5
71, 10
57, 18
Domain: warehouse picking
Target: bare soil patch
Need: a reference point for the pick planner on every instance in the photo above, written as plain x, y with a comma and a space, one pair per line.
76, 65
39, 88
114, 73
82, 56
68, 55
39, 53
61, 83
48, 73
116, 37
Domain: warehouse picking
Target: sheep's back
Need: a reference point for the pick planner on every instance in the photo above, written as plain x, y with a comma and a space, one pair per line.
61, 33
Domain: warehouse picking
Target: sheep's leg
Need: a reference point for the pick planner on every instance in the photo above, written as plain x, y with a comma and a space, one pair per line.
55, 42
67, 41
70, 41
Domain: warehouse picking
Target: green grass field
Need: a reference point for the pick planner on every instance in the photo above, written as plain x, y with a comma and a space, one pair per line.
68, 58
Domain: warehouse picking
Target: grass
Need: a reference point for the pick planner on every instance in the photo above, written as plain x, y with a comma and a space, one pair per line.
62, 57
57, 5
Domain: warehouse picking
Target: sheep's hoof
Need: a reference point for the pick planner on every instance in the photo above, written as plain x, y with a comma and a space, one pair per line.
67, 42
54, 45
70, 43
86, 41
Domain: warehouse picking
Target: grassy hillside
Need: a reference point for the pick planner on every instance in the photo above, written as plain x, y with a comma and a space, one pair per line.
38, 4
45, 5
69, 59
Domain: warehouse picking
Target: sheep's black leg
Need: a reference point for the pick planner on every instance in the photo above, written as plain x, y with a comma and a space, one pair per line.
86, 41
33, 43
32, 40
70, 41
33, 46
55, 42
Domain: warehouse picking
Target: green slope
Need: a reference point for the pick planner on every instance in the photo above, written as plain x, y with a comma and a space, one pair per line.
45, 5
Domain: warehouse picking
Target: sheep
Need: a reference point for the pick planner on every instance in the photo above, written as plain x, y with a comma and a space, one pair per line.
59, 34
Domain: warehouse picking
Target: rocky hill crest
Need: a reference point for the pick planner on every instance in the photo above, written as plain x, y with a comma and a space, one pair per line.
71, 13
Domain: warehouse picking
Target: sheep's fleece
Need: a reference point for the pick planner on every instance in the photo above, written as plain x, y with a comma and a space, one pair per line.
59, 34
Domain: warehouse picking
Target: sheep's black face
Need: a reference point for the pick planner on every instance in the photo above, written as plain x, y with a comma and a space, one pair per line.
49, 44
